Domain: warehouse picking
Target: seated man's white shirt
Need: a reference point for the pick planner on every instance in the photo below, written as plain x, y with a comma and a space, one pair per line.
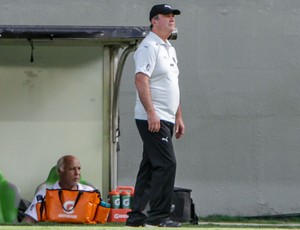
31, 211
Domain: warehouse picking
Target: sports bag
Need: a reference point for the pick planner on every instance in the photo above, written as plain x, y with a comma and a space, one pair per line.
72, 206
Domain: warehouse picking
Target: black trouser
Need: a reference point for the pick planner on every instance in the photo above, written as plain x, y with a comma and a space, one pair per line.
156, 176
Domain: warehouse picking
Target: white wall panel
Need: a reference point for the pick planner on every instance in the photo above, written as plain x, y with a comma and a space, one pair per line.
49, 108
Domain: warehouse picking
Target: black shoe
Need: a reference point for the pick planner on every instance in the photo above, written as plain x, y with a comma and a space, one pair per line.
134, 225
135, 219
166, 223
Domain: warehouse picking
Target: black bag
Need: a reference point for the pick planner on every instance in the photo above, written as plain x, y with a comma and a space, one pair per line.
184, 210
194, 217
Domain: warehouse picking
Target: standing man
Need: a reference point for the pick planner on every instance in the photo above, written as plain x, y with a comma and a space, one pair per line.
157, 114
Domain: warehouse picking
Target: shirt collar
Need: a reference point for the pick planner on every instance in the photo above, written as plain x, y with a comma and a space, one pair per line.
159, 40
57, 186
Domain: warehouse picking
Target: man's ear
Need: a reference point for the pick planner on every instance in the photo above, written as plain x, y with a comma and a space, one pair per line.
154, 20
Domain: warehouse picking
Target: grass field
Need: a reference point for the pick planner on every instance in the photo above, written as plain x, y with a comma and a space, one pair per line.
202, 225
37, 227
209, 223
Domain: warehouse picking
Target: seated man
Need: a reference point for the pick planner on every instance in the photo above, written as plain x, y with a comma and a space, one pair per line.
68, 168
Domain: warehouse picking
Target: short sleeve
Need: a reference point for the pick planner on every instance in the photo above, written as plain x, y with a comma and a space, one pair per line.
145, 59
31, 210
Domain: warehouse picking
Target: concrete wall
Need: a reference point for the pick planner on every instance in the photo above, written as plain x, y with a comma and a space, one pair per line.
239, 63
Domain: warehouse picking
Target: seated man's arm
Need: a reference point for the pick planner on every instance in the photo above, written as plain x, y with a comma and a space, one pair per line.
31, 215
28, 219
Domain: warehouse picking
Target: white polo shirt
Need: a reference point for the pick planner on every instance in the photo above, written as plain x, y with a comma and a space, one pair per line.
31, 211
157, 59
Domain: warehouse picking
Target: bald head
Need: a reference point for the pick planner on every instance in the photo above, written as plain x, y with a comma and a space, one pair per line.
68, 168
63, 161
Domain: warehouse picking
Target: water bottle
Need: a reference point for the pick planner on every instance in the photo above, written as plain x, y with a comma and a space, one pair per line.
126, 195
125, 198
104, 204
114, 199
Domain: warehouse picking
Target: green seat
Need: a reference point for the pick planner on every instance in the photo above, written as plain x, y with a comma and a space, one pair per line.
9, 201
53, 177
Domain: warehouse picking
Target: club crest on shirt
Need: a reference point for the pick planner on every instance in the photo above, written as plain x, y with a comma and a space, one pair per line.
148, 67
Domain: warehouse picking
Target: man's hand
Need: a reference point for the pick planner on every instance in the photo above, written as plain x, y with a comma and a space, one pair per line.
153, 122
179, 128
179, 125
